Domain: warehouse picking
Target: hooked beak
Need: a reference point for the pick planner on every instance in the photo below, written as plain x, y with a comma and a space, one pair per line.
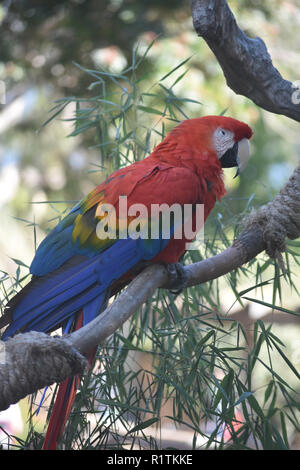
243, 155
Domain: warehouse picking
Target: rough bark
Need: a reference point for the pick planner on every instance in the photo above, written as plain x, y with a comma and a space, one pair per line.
245, 61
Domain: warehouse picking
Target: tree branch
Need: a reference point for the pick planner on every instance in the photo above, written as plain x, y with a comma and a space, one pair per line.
265, 229
246, 247
34, 360
246, 63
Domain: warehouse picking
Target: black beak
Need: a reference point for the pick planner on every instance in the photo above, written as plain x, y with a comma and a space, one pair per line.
238, 156
237, 173
229, 159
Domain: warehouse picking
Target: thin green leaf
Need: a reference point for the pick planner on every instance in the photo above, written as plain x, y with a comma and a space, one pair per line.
272, 306
175, 68
143, 425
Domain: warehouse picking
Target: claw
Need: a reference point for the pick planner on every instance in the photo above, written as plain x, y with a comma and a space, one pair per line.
177, 277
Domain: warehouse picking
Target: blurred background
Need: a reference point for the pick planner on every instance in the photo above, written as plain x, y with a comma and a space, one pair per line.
43, 171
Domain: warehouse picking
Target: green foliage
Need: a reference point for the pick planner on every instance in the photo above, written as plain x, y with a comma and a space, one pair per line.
125, 113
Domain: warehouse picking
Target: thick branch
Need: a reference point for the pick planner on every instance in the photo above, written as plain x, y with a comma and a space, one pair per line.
246, 63
33, 360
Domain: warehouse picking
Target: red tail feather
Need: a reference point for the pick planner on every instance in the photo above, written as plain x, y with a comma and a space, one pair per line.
60, 413
63, 404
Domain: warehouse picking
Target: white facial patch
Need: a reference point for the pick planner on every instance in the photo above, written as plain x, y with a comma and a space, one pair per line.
223, 141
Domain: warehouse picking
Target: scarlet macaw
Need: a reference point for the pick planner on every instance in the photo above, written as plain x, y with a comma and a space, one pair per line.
74, 271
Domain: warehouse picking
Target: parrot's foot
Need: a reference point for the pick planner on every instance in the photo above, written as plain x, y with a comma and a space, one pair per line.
177, 278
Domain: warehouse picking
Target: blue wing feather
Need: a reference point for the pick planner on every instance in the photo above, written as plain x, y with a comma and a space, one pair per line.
56, 248
82, 284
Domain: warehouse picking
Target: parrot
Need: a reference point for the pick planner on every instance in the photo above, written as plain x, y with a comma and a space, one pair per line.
75, 272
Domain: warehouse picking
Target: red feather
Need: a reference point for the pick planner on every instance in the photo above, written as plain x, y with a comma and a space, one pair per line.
63, 402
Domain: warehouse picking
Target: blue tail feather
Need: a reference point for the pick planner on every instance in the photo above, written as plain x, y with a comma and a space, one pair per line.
91, 309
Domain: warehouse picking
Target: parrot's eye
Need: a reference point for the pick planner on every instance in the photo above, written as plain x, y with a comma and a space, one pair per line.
223, 132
